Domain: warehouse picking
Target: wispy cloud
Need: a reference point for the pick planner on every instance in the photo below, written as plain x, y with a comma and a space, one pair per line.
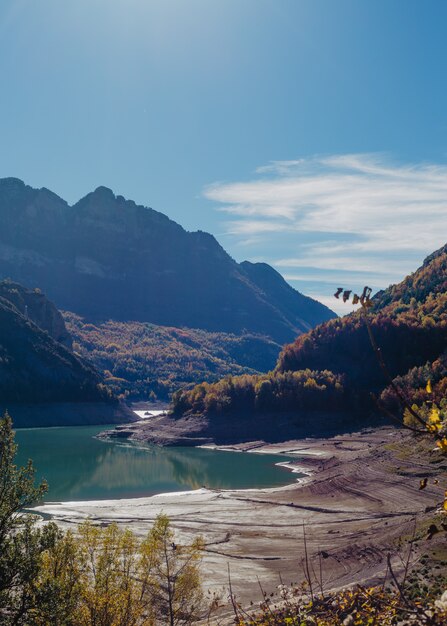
347, 212
253, 227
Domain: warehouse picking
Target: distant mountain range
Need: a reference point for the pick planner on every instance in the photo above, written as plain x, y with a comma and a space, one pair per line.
107, 258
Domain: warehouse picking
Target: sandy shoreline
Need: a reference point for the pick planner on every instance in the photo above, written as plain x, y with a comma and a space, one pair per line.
356, 502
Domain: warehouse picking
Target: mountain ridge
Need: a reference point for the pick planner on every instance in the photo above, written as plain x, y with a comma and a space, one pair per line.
107, 257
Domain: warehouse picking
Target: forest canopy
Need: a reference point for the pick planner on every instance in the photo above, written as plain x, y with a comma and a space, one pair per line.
142, 361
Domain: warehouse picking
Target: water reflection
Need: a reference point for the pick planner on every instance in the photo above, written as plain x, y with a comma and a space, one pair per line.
77, 466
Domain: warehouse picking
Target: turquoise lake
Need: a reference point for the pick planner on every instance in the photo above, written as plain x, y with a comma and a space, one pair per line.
79, 467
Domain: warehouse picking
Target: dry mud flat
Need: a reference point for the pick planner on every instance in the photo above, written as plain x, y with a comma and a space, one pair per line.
362, 496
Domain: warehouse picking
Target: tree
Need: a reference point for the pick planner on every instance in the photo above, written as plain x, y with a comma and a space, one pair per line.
111, 590
175, 574
20, 543
59, 583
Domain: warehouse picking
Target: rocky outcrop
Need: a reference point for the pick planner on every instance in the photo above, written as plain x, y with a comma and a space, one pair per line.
33, 305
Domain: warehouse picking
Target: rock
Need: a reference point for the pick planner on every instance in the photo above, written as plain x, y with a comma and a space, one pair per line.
33, 304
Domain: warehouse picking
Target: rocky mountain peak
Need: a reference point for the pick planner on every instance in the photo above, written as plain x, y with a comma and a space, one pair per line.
107, 257
103, 194
12, 183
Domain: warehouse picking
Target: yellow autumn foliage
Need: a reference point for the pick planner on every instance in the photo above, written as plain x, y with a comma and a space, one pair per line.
107, 577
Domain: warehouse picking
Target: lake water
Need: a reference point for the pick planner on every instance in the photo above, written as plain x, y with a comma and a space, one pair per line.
79, 467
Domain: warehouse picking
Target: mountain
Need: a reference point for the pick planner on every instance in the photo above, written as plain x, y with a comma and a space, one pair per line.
334, 368
108, 258
36, 368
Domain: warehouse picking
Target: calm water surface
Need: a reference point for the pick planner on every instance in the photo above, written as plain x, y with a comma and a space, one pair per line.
79, 467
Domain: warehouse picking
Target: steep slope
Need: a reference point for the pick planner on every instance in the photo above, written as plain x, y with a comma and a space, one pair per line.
409, 321
303, 311
107, 258
42, 382
36, 368
35, 306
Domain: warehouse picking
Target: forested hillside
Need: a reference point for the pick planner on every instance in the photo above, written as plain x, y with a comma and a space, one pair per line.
409, 323
142, 361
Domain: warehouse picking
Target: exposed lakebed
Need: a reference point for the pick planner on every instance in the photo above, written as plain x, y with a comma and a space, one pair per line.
77, 466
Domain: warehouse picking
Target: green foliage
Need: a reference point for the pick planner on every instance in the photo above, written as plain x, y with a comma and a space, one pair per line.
121, 581
57, 586
414, 382
20, 544
177, 593
107, 577
17, 488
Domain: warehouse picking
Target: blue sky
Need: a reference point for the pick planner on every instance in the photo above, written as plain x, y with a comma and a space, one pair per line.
311, 134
